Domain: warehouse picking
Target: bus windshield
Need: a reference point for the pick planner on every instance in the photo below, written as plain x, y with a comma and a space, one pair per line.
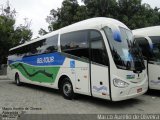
155, 48
125, 53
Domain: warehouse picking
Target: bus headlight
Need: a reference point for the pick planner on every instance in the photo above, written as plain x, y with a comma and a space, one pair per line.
119, 83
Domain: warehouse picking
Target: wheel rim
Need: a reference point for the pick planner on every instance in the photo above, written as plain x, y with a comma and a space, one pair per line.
67, 88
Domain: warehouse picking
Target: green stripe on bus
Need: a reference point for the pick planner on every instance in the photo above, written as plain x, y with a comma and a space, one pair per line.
34, 73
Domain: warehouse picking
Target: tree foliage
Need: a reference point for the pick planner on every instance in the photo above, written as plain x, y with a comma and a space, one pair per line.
10, 35
69, 13
131, 12
137, 15
42, 32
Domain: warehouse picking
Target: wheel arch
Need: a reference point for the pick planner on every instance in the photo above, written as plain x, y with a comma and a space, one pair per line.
61, 79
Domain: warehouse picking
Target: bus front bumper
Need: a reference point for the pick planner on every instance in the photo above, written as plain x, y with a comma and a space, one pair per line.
131, 92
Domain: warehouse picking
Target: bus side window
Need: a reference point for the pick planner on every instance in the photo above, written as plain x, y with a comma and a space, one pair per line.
76, 44
39, 46
155, 48
144, 47
51, 44
98, 51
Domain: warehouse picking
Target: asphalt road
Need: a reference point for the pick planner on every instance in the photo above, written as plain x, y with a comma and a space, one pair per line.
40, 100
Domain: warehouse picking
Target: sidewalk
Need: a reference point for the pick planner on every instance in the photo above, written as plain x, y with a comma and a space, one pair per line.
3, 77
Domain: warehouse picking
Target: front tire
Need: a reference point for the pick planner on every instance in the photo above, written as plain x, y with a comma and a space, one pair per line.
17, 80
67, 89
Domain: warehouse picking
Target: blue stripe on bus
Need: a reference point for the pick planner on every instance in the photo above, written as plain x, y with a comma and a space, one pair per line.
40, 60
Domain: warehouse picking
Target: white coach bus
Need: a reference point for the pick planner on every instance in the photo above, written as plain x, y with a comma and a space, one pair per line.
95, 57
148, 40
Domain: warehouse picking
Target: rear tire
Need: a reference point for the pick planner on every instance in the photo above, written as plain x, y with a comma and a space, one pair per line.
17, 80
67, 89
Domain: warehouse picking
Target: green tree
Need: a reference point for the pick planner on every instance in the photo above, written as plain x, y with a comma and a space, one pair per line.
21, 35
10, 35
42, 32
131, 12
6, 34
100, 8
69, 13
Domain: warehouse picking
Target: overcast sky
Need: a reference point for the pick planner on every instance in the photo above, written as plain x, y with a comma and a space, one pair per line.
37, 10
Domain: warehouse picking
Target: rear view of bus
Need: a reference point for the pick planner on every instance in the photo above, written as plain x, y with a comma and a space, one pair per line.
148, 40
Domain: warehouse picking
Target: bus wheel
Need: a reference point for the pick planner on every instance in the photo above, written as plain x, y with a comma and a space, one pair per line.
17, 80
67, 89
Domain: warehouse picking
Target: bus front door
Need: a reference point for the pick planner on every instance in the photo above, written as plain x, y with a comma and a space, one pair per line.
99, 81
99, 66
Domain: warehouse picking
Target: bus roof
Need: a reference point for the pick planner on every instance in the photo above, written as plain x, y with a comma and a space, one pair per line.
82, 25
148, 31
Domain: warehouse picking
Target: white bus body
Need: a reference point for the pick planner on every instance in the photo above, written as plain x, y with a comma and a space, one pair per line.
94, 56
149, 43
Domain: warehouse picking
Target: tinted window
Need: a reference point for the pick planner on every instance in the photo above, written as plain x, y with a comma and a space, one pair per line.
37, 47
43, 46
98, 51
51, 44
48, 45
144, 47
25, 50
124, 52
155, 47
75, 43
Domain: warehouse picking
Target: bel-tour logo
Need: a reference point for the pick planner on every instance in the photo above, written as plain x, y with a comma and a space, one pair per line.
45, 60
